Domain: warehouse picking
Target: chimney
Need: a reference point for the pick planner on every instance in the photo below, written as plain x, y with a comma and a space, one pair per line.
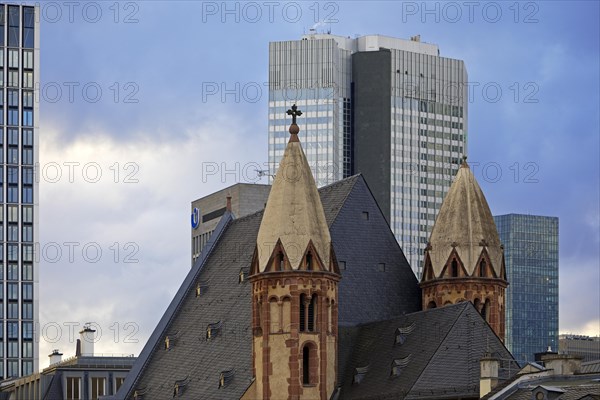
488, 379
55, 357
228, 206
562, 364
87, 340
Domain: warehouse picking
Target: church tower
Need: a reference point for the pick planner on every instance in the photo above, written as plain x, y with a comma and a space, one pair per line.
464, 260
294, 276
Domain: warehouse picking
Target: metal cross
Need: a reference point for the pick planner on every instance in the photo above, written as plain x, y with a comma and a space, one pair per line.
294, 112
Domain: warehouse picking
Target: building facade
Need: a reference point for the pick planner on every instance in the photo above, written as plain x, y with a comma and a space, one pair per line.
19, 73
531, 251
586, 347
243, 198
85, 376
388, 108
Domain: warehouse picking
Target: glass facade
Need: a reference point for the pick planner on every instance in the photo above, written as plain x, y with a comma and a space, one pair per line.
19, 73
531, 256
429, 138
315, 75
428, 134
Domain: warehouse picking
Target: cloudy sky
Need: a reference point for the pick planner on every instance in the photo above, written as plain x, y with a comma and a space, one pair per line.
128, 130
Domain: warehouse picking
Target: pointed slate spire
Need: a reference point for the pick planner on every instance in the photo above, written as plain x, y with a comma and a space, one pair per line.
294, 213
465, 224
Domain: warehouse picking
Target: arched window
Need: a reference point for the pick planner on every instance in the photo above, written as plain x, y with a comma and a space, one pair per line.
309, 364
309, 261
431, 305
258, 319
306, 365
274, 315
454, 269
312, 313
477, 304
280, 261
329, 315
302, 312
286, 320
482, 268
485, 310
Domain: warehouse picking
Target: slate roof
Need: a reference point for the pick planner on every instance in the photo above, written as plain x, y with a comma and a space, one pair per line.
55, 389
590, 367
589, 391
366, 293
439, 358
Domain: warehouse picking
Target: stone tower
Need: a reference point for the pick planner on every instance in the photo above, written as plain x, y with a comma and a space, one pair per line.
464, 260
294, 276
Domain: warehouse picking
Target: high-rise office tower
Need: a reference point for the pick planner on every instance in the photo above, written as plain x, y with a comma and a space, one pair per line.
531, 257
19, 73
391, 109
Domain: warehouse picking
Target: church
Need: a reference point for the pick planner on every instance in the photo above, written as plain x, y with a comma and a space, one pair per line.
312, 298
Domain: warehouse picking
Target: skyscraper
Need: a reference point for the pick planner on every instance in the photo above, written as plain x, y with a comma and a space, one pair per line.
389, 108
19, 67
531, 254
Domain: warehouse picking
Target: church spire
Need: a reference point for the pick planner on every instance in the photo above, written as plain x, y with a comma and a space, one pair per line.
294, 287
294, 215
464, 259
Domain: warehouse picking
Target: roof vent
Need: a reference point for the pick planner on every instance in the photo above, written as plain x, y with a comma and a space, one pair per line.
399, 364
403, 332
359, 374
213, 330
226, 377
241, 276
179, 386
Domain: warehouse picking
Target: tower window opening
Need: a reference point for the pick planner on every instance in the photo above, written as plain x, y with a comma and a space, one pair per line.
312, 316
280, 261
309, 260
485, 311
482, 268
302, 312
454, 269
306, 365
309, 364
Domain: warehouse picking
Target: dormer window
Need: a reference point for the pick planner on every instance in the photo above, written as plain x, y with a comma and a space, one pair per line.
213, 330
226, 377
398, 365
359, 374
309, 262
170, 340
179, 386
281, 262
201, 288
482, 268
241, 276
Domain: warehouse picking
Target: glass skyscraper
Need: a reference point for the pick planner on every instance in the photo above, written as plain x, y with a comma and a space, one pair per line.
531, 256
389, 108
19, 75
